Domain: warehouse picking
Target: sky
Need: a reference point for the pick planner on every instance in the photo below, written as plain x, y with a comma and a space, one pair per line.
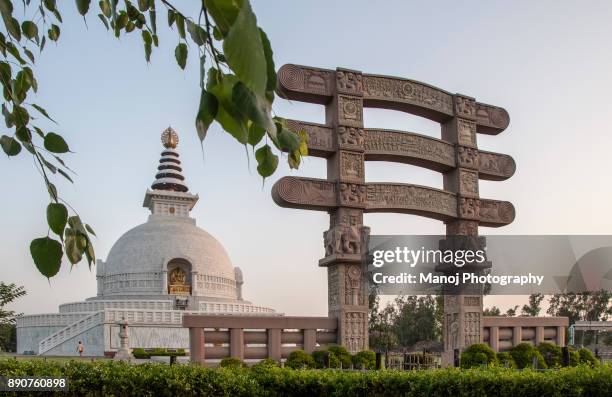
548, 63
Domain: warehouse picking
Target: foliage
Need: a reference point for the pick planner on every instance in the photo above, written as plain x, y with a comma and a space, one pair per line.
523, 355
8, 337
552, 354
299, 359
342, 354
237, 82
8, 293
491, 311
511, 312
533, 308
476, 355
109, 378
505, 360
587, 357
325, 359
265, 364
232, 362
365, 359
416, 320
587, 306
148, 353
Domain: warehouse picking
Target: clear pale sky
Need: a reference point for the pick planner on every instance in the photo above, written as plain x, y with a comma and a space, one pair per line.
547, 62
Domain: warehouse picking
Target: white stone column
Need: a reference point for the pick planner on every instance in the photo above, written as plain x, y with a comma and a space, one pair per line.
194, 282
164, 281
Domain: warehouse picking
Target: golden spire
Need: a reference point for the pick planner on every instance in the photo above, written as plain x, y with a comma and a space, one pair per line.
169, 138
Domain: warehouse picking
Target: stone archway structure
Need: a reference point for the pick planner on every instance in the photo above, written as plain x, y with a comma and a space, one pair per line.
346, 145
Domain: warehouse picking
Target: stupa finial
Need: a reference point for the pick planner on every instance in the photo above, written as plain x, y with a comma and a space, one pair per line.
169, 138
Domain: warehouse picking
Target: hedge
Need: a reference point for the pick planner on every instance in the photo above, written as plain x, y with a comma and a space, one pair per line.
110, 378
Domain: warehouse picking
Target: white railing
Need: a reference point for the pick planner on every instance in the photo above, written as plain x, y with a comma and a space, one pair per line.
97, 305
49, 320
232, 308
70, 331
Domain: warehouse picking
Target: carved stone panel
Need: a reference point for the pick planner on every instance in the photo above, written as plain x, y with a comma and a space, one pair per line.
352, 138
495, 212
493, 119
462, 228
352, 195
389, 145
466, 132
465, 107
349, 82
469, 208
496, 166
472, 328
468, 183
351, 166
354, 331
302, 79
342, 240
411, 199
350, 111
333, 286
353, 285
467, 157
398, 90
471, 300
319, 137
304, 193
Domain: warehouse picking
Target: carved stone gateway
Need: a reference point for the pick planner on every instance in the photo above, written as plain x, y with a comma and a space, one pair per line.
345, 195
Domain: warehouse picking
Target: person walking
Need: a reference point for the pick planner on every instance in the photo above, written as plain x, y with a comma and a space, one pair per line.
80, 348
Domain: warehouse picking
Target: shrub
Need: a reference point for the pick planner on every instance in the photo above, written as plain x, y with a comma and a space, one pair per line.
321, 358
478, 354
574, 358
343, 355
299, 359
232, 362
365, 359
523, 355
142, 353
504, 359
587, 357
552, 354
265, 364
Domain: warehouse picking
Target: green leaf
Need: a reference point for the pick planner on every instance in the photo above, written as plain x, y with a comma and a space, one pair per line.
206, 113
153, 19
147, 39
105, 7
171, 17
223, 12
55, 143
10, 145
198, 35
83, 6
256, 133
89, 253
50, 5
90, 229
288, 140
6, 7
52, 191
10, 47
12, 26
23, 134
5, 72
244, 51
253, 107
47, 255
143, 5
21, 116
30, 30
47, 164
54, 33
180, 25
65, 174
104, 21
266, 160
181, 55
29, 55
57, 217
74, 252
42, 111
270, 68
232, 121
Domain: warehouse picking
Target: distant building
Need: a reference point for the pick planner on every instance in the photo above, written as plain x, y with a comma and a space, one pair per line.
154, 274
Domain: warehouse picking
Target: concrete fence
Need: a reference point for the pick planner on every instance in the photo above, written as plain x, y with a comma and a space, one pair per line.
256, 337
502, 333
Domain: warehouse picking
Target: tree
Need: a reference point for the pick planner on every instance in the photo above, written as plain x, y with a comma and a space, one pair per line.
491, 311
533, 308
416, 320
8, 332
511, 312
237, 82
588, 306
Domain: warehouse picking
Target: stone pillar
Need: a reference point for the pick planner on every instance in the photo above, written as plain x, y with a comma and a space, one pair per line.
462, 311
539, 335
560, 336
237, 343
196, 345
310, 340
494, 338
517, 335
345, 241
274, 344
124, 353
164, 281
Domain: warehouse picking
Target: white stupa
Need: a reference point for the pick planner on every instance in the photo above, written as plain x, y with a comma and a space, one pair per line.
153, 274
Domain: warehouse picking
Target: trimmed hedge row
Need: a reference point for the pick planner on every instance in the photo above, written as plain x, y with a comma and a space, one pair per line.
142, 353
109, 378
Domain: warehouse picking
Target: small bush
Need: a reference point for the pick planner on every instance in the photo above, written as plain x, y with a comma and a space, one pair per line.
523, 355
343, 355
587, 357
232, 362
299, 359
142, 353
265, 364
321, 358
552, 354
574, 358
365, 359
478, 354
504, 359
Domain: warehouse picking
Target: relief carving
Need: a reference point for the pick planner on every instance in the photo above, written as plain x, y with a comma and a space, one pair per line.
342, 240
471, 328
468, 182
351, 166
465, 107
305, 80
492, 116
355, 325
493, 211
290, 191
467, 157
408, 144
452, 331
469, 208
471, 300
352, 194
333, 291
319, 136
466, 132
350, 111
496, 164
407, 91
351, 136
462, 228
349, 82
410, 197
353, 285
